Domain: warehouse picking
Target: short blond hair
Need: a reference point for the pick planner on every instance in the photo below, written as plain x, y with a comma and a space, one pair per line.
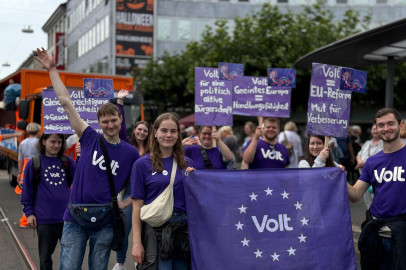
33, 128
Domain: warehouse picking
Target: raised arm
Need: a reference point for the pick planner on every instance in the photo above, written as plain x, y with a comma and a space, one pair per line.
224, 150
249, 153
120, 102
61, 92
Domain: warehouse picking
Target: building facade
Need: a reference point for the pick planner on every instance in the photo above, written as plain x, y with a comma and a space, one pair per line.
117, 36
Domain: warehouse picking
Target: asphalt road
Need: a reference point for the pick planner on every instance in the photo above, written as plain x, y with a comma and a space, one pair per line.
10, 203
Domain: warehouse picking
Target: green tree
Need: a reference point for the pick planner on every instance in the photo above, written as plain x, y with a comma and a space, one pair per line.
267, 38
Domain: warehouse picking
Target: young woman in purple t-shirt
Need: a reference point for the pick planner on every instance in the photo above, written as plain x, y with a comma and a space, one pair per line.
150, 176
45, 204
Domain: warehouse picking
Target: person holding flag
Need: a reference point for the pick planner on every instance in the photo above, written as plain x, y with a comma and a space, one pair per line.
264, 151
382, 242
207, 156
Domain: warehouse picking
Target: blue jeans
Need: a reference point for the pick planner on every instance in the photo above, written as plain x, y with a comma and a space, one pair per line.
174, 263
121, 255
73, 247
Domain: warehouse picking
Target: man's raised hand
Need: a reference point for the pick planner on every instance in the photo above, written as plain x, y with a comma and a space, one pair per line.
45, 59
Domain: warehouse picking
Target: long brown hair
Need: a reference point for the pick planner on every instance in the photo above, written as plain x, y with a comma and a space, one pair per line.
155, 151
145, 143
310, 159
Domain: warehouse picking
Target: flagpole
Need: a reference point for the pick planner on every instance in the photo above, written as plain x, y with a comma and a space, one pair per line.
326, 139
213, 128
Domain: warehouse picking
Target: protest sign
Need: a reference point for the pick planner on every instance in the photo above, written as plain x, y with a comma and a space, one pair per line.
329, 107
269, 219
213, 99
98, 88
55, 118
229, 71
352, 79
253, 97
282, 77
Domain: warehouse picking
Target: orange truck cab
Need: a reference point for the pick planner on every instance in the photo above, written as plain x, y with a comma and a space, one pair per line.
29, 106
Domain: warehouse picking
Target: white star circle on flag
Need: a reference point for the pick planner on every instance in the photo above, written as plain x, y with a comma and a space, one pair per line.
243, 209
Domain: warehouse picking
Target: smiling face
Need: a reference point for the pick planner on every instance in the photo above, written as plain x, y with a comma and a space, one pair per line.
52, 145
315, 146
205, 137
167, 134
270, 131
110, 124
388, 128
141, 132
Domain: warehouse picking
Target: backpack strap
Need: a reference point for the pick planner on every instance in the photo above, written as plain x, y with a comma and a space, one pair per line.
36, 163
65, 164
206, 159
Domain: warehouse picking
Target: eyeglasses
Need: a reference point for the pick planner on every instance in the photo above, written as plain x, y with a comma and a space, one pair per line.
206, 133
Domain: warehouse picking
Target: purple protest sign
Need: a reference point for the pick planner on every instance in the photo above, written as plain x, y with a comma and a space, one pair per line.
229, 71
253, 97
353, 79
98, 88
213, 99
282, 77
329, 107
55, 118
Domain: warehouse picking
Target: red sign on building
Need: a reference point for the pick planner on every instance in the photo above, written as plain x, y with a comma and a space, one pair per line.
60, 51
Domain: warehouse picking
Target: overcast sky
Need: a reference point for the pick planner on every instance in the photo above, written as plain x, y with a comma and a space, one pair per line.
16, 46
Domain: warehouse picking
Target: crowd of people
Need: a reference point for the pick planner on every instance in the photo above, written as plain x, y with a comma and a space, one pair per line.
153, 157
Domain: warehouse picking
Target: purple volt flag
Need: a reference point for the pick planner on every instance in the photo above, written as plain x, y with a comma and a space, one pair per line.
229, 71
253, 97
55, 118
282, 77
328, 110
269, 219
353, 79
213, 99
98, 88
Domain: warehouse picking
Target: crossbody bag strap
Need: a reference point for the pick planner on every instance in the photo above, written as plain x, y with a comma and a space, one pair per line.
206, 159
110, 177
174, 169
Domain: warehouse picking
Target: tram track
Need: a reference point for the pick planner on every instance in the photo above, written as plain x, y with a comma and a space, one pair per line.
25, 258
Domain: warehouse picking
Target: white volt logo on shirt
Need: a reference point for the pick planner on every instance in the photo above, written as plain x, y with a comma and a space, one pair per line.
271, 154
387, 176
114, 164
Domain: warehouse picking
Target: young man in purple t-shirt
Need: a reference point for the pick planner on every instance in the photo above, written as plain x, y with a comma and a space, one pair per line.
385, 171
264, 151
91, 184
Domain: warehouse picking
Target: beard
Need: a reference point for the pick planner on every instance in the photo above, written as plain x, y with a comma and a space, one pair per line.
397, 132
270, 138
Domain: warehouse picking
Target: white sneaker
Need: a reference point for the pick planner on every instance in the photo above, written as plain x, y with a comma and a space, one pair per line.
118, 267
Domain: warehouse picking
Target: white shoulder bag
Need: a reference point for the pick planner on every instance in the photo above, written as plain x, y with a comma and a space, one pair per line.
160, 210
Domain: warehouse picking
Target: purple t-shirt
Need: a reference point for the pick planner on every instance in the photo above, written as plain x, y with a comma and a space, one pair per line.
147, 184
53, 191
91, 183
216, 159
267, 156
386, 173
